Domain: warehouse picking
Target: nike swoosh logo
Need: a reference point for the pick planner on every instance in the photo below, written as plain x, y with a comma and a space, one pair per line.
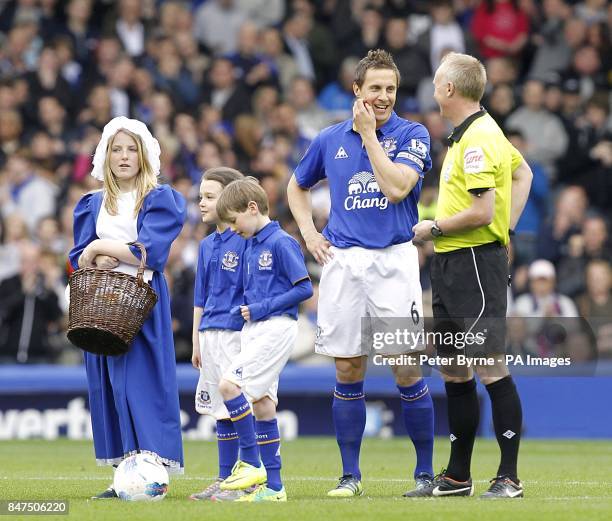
437, 492
514, 494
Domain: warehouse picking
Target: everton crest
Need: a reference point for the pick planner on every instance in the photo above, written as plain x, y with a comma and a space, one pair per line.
204, 398
265, 260
230, 260
389, 145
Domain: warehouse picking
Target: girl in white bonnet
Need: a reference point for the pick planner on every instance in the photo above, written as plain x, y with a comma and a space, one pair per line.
133, 398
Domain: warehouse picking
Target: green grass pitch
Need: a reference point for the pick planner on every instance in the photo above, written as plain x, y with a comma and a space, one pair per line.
563, 480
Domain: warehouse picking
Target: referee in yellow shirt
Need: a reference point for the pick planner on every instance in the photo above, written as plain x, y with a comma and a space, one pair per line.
484, 184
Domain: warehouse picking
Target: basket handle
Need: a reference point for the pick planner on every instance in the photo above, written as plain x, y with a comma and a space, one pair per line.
143, 259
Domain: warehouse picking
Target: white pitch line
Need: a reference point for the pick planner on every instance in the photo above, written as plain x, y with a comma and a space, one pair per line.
570, 498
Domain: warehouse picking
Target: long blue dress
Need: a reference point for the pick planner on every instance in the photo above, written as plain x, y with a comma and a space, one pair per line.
133, 398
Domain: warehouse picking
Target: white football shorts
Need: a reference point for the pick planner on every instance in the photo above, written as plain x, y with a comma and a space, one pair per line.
218, 348
371, 284
265, 349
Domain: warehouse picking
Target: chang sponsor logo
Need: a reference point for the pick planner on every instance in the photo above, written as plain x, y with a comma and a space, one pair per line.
364, 192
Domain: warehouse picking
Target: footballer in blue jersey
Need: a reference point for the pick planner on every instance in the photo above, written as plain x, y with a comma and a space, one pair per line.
275, 282
374, 164
216, 332
358, 203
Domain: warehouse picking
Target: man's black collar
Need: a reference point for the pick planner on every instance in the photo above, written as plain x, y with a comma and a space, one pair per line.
460, 130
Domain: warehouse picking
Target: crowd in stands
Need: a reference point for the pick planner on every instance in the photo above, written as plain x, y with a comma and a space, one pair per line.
248, 84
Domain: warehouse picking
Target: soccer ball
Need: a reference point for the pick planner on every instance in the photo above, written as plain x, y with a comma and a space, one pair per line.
141, 477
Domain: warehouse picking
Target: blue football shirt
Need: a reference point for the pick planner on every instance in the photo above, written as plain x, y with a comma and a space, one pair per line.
361, 215
219, 280
274, 264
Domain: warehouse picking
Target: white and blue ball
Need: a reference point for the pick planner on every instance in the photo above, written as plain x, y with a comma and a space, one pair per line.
141, 477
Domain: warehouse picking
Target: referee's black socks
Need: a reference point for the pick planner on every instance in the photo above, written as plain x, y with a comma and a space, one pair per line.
507, 421
463, 418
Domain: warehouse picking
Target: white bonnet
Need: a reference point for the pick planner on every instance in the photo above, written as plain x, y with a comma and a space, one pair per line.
151, 145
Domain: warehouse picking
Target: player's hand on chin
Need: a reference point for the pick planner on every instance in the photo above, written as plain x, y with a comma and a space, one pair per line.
422, 232
364, 120
319, 247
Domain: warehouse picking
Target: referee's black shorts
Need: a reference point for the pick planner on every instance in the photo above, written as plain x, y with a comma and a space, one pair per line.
469, 289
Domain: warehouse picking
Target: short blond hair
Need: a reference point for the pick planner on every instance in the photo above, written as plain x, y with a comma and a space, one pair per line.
466, 73
237, 195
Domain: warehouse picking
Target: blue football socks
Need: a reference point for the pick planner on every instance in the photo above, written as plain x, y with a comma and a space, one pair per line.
268, 440
417, 410
349, 413
227, 444
242, 419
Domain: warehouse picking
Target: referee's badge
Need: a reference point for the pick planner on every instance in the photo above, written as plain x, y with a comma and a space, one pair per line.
265, 260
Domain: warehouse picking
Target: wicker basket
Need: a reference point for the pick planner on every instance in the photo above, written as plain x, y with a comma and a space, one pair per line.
108, 308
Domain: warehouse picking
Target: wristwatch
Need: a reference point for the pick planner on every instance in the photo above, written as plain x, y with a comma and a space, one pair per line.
435, 230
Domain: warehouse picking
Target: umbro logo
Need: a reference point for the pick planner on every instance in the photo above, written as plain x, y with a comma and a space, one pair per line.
509, 434
341, 154
453, 437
